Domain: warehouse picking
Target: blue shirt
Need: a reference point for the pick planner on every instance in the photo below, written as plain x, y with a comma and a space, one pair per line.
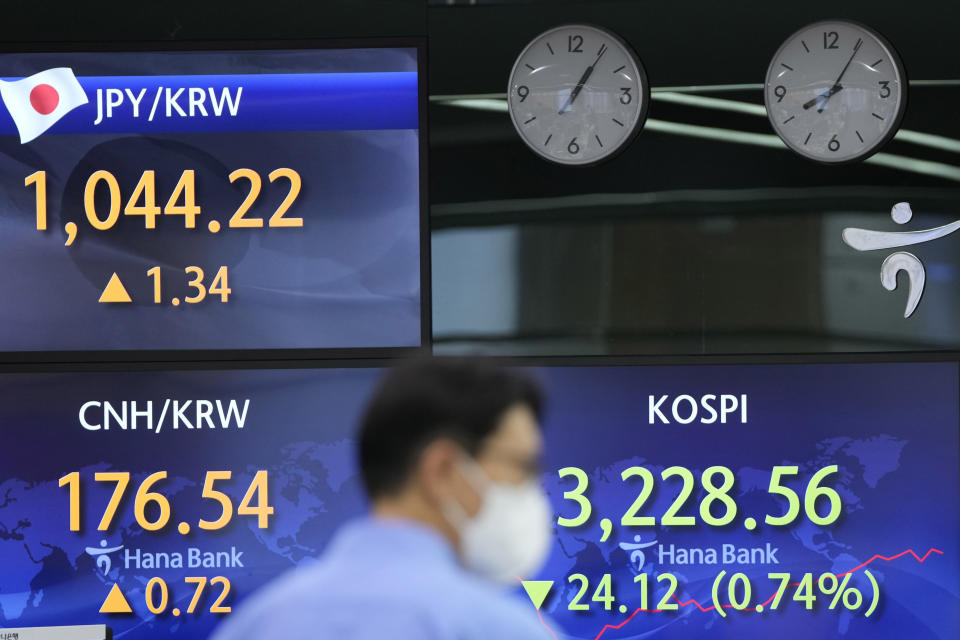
384, 579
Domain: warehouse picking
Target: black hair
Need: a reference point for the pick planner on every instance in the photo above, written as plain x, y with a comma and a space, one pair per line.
423, 400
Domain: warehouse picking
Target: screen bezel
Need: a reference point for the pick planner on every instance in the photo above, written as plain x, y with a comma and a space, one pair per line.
258, 355
396, 356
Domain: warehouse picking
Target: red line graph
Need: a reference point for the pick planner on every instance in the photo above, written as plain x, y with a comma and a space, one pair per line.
797, 584
546, 626
693, 601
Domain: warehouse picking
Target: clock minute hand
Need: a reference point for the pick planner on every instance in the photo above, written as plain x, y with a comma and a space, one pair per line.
853, 55
836, 88
582, 81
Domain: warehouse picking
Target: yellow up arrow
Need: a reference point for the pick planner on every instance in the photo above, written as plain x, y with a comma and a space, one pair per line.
115, 291
115, 602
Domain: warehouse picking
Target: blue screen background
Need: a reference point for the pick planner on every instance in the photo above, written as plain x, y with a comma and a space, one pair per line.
892, 429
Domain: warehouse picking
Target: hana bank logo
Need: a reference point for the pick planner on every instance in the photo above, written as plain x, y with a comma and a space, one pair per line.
102, 554
637, 557
870, 240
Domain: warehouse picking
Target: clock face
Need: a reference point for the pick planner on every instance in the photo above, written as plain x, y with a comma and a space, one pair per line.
835, 91
577, 95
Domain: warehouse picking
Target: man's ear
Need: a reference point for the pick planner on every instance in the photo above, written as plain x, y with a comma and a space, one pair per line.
435, 472
439, 480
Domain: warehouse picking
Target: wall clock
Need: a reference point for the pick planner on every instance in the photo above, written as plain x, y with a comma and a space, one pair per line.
835, 91
578, 95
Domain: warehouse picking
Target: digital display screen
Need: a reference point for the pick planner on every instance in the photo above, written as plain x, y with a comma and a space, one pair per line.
210, 200
804, 500
798, 498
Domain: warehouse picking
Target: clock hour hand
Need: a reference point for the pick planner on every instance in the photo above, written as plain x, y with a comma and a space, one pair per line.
582, 81
822, 98
826, 98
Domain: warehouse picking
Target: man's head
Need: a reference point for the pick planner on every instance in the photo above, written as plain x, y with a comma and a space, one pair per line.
439, 433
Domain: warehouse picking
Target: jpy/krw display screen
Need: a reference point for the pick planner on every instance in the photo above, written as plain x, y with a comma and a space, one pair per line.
210, 200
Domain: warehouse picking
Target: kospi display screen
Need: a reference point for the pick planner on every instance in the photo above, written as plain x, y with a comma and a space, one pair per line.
211, 200
789, 501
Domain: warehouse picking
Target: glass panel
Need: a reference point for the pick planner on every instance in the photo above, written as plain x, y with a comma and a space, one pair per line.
706, 235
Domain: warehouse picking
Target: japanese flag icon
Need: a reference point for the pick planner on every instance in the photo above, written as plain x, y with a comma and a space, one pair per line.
37, 102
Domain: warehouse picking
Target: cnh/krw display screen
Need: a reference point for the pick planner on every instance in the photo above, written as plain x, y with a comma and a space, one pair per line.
245, 199
805, 500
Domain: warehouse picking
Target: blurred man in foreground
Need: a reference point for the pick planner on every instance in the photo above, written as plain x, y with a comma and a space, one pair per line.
449, 452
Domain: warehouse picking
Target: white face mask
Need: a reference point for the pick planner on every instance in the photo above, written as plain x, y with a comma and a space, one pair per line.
510, 536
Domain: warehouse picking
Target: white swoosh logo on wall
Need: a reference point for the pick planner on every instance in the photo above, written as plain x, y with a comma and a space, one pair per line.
870, 240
